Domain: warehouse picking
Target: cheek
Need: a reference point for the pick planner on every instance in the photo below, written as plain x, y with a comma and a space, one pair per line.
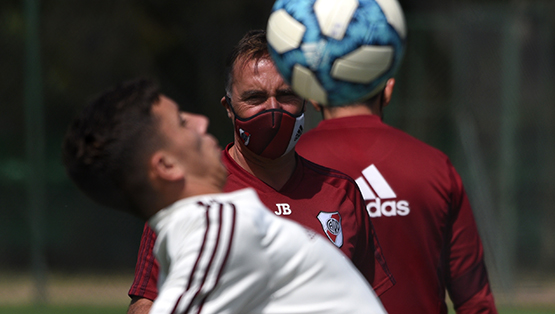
293, 109
187, 144
244, 111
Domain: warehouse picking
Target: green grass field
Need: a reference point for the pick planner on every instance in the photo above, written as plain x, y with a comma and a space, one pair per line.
90, 309
526, 311
62, 309
107, 294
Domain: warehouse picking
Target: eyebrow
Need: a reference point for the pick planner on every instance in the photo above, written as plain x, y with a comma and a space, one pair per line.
280, 92
285, 91
253, 92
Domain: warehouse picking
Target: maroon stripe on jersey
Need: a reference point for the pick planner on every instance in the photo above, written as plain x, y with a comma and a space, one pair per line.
201, 302
144, 269
210, 262
176, 304
191, 277
201, 249
229, 244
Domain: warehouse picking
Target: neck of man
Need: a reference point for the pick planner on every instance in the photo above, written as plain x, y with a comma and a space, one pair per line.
273, 172
169, 192
350, 110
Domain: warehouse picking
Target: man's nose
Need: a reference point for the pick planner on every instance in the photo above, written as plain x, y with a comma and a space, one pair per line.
203, 124
197, 122
273, 103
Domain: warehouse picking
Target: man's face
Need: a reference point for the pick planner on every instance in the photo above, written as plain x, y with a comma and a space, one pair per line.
187, 139
257, 86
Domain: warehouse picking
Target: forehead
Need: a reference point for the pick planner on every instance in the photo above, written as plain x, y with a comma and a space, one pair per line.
257, 74
165, 107
166, 113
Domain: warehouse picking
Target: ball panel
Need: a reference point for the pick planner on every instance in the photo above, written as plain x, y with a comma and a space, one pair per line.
394, 14
317, 76
284, 33
334, 16
374, 91
364, 64
305, 83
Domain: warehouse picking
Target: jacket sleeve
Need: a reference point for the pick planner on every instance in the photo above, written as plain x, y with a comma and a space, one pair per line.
146, 271
467, 284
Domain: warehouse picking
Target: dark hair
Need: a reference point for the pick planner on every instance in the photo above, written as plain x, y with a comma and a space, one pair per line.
105, 147
252, 46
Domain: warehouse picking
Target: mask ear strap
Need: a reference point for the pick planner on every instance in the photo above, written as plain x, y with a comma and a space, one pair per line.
228, 101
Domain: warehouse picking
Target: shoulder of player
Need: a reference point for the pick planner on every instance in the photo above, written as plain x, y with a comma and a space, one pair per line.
327, 174
408, 142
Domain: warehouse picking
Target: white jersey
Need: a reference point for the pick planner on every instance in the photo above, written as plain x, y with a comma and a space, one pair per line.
227, 253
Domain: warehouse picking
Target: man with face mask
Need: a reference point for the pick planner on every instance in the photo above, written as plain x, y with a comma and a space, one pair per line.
268, 121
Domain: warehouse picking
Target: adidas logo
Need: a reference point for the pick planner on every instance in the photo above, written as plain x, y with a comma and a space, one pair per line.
382, 198
299, 133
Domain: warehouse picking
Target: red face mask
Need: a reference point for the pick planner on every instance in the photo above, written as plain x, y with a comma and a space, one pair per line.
270, 133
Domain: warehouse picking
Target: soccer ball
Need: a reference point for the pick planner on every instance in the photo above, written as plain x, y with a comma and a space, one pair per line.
336, 52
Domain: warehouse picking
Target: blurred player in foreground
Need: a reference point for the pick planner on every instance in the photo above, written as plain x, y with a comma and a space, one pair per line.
418, 206
267, 117
133, 150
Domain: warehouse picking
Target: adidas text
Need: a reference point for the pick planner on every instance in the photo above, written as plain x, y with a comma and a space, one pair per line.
377, 208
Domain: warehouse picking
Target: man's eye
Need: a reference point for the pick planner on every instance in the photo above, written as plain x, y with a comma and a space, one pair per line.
289, 99
182, 120
255, 99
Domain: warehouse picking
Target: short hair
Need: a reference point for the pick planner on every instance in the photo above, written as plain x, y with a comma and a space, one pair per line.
252, 46
105, 148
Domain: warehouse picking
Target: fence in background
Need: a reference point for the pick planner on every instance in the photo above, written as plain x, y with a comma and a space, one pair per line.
477, 83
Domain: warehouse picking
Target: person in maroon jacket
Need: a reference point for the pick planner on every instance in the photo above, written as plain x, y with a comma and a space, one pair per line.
417, 203
268, 121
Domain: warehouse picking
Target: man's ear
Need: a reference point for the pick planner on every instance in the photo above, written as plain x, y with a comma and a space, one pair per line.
226, 103
166, 167
388, 91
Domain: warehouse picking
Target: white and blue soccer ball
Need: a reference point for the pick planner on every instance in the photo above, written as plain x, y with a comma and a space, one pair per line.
336, 52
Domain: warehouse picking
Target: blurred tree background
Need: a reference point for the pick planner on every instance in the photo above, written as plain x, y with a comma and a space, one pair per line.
476, 83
